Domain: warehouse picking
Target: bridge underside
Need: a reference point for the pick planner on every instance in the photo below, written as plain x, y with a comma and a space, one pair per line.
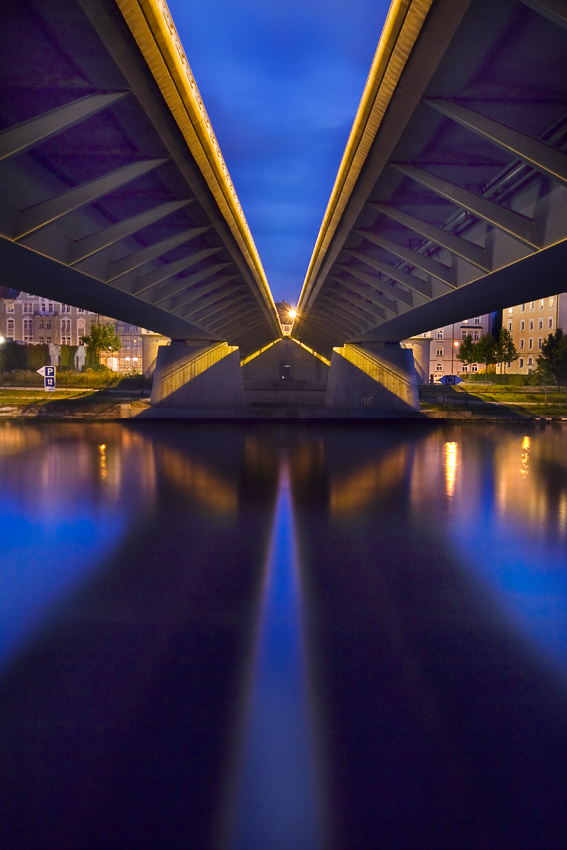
451, 200
104, 203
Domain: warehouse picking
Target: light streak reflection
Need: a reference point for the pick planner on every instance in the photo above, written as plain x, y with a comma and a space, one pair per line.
277, 792
450, 467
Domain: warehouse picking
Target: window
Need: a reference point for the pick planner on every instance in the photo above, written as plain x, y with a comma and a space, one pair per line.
551, 302
521, 362
541, 304
50, 307
80, 310
531, 343
11, 325
439, 352
522, 325
40, 340
539, 342
464, 334
509, 326
42, 307
530, 361
474, 368
531, 324
476, 335
40, 325
48, 340
510, 309
521, 343
540, 324
28, 307
48, 324
439, 334
522, 307
477, 320
550, 323
439, 367
9, 306
532, 305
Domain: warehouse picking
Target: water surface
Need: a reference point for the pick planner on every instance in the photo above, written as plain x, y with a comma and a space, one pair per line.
236, 636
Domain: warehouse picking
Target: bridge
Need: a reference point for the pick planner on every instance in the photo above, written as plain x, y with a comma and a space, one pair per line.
450, 199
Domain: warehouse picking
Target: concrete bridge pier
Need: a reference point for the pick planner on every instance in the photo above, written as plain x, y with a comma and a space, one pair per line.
372, 378
197, 375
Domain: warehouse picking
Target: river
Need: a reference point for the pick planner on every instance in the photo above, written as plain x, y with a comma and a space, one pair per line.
283, 637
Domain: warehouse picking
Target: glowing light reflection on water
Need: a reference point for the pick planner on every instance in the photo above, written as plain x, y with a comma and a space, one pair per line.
277, 792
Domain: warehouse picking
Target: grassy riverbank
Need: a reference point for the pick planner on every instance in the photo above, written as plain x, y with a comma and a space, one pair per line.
493, 399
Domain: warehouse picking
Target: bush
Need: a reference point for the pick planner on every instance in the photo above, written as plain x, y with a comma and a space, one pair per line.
15, 356
533, 380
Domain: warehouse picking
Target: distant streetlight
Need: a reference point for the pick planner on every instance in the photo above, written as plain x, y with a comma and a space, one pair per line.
292, 314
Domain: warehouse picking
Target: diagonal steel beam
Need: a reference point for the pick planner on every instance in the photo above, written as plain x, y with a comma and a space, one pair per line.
138, 258
183, 285
420, 261
468, 251
324, 334
231, 327
541, 156
378, 286
19, 138
203, 314
383, 302
348, 295
422, 287
380, 302
326, 319
192, 295
189, 281
331, 298
151, 279
554, 10
32, 218
89, 245
511, 222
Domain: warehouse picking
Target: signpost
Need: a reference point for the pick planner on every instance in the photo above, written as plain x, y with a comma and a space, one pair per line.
49, 377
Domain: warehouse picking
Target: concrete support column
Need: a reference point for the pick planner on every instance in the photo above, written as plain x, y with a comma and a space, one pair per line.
198, 375
420, 346
150, 345
374, 378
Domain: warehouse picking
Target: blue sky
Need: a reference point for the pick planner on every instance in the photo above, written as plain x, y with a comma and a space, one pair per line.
281, 83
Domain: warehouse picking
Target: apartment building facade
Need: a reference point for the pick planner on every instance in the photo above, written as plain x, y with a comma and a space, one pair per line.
530, 324
35, 320
445, 342
38, 321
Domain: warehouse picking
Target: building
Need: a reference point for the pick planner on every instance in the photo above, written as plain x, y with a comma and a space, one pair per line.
36, 320
445, 343
530, 324
129, 357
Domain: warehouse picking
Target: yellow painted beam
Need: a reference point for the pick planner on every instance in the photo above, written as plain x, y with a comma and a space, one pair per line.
152, 26
403, 25
257, 353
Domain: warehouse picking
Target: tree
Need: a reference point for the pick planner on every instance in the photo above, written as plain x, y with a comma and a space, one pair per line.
467, 351
553, 358
102, 338
486, 350
505, 349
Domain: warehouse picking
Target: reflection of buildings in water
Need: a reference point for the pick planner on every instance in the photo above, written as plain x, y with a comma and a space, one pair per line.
53, 465
532, 481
